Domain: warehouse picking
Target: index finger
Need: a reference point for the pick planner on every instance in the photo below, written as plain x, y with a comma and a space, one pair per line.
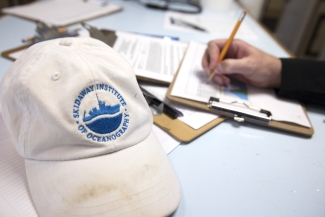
212, 53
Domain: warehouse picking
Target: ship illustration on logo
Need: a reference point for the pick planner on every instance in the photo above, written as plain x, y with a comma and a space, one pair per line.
109, 118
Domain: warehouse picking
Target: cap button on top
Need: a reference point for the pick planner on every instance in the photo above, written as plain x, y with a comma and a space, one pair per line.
66, 41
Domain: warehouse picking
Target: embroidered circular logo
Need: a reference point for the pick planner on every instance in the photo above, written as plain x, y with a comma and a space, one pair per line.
101, 113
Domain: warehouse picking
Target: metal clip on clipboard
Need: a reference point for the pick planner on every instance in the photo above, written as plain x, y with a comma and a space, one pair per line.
240, 111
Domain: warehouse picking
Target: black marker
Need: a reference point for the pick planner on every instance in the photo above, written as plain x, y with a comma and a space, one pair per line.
167, 109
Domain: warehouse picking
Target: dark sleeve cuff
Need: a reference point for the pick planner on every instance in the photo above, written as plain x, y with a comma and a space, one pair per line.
303, 80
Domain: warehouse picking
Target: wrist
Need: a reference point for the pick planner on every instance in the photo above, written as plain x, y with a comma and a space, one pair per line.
277, 72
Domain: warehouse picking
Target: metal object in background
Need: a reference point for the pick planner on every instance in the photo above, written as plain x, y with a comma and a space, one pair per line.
46, 32
107, 36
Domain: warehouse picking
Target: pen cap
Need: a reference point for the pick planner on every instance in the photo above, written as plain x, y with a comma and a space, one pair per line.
76, 114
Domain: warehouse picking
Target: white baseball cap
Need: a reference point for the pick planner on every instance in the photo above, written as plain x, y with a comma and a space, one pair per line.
76, 114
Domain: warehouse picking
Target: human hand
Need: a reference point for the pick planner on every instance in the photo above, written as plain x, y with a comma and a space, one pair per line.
244, 63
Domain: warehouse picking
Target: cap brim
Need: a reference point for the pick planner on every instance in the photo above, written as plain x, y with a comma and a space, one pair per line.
136, 181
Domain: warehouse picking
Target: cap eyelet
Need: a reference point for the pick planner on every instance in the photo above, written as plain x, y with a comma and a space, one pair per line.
66, 41
55, 76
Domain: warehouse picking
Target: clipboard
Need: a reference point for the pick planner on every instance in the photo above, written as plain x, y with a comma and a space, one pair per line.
172, 125
6, 53
75, 11
109, 37
178, 129
237, 115
168, 120
182, 131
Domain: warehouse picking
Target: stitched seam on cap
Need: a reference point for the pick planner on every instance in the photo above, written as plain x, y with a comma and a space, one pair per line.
26, 119
24, 101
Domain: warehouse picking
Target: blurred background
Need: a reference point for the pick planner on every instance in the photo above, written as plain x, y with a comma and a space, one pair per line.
298, 24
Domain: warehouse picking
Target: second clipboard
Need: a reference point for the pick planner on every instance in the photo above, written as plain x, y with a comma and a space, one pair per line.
181, 131
168, 123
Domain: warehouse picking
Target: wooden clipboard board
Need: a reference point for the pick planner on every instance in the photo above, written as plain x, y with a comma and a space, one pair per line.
6, 53
178, 129
285, 126
181, 131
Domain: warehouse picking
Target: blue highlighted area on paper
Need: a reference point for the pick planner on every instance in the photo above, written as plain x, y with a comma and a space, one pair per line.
236, 89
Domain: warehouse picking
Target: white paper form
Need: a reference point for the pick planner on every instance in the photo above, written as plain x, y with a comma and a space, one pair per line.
191, 83
151, 57
194, 118
168, 142
62, 12
220, 25
266, 98
15, 198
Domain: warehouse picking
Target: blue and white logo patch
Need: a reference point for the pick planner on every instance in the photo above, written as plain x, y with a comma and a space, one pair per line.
101, 113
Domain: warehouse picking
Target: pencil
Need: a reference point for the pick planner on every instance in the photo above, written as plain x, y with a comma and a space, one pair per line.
228, 43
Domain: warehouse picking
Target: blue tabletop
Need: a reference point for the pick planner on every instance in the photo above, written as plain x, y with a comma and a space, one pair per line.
233, 169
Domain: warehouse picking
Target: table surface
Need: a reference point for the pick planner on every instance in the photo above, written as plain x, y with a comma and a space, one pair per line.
234, 169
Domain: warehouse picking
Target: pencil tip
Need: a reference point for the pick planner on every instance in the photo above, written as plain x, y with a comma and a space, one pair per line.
211, 76
208, 81
243, 14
